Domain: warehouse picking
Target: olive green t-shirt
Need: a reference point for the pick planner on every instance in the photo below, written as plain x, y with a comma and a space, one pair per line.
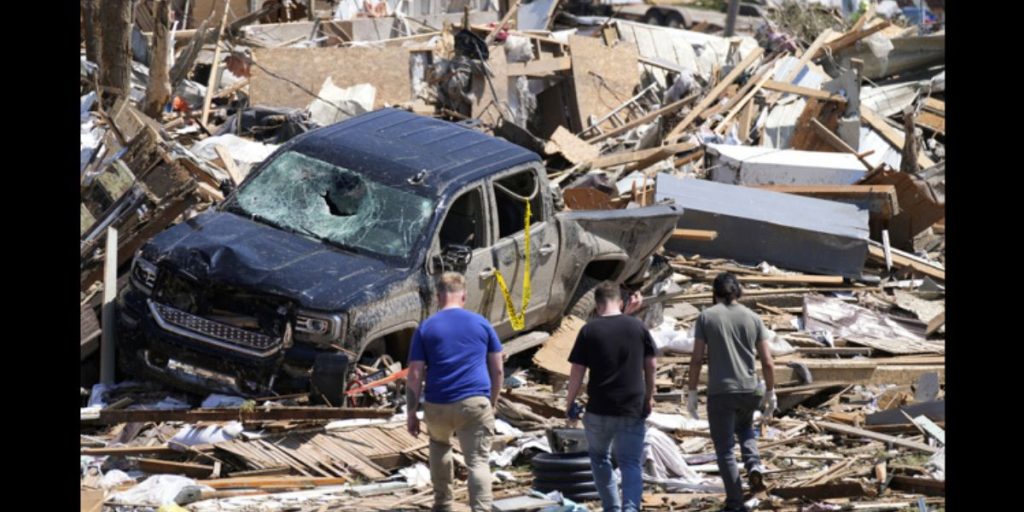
731, 333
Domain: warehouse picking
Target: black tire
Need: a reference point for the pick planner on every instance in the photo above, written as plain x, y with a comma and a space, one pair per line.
563, 476
583, 302
674, 20
565, 487
652, 17
561, 462
586, 496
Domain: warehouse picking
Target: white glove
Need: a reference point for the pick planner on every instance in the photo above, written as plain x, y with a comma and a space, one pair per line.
691, 403
771, 402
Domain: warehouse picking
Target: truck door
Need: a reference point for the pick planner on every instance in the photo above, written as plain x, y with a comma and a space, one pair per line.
465, 223
508, 191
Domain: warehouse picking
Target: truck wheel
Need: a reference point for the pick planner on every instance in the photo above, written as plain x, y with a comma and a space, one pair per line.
673, 20
653, 17
582, 303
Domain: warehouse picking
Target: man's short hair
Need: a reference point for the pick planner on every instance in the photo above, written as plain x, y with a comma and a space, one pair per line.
727, 287
451, 282
606, 292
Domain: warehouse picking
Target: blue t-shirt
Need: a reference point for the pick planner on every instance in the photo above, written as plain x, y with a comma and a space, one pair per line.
454, 343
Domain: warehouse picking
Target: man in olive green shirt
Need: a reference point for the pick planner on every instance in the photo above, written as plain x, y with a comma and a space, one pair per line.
734, 337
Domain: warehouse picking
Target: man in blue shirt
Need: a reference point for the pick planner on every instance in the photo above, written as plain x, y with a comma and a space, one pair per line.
460, 354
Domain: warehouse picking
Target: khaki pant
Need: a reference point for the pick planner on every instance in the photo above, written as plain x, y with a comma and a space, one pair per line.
472, 420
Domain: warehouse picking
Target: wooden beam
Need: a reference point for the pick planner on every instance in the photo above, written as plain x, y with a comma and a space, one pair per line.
157, 466
893, 136
821, 492
805, 58
934, 105
131, 450
839, 144
834, 351
272, 481
712, 96
229, 163
539, 68
931, 121
878, 254
276, 413
504, 19
882, 198
850, 38
667, 109
935, 323
696, 235
926, 486
817, 94
643, 154
859, 432
211, 85
794, 279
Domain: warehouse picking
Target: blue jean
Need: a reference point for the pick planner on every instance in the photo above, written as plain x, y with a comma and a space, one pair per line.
731, 416
627, 433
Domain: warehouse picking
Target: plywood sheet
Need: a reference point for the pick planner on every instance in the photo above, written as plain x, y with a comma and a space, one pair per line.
554, 355
604, 78
387, 69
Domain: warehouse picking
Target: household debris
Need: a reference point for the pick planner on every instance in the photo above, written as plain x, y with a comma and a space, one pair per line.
808, 160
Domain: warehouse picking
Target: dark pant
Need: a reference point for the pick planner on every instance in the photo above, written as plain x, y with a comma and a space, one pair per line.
730, 416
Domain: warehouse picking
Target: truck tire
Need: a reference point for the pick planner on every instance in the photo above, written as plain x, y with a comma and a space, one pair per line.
653, 17
563, 476
561, 462
565, 487
674, 20
582, 303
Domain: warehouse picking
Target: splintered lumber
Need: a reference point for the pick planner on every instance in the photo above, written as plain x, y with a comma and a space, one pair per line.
641, 155
838, 144
821, 492
926, 486
818, 94
893, 136
667, 109
848, 39
271, 481
795, 279
276, 413
130, 450
805, 58
712, 96
882, 198
157, 466
899, 260
859, 432
700, 235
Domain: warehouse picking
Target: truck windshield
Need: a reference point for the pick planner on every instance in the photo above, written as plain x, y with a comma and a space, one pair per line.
303, 194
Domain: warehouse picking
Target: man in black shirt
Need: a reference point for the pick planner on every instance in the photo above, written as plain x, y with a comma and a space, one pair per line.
619, 352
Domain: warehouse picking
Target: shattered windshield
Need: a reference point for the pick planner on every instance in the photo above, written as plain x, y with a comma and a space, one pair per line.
312, 197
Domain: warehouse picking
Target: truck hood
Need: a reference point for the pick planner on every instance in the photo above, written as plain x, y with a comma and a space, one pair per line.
224, 248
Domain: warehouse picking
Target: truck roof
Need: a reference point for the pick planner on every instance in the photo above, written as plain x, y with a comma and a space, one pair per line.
390, 146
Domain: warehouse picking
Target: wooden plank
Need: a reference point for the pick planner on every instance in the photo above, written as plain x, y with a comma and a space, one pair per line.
850, 38
930, 428
935, 323
838, 144
934, 105
539, 68
834, 351
157, 466
893, 136
859, 432
698, 235
712, 96
272, 481
818, 94
229, 163
931, 121
878, 254
926, 486
626, 157
805, 58
211, 86
663, 111
131, 450
821, 492
522, 343
794, 279
277, 413
881, 199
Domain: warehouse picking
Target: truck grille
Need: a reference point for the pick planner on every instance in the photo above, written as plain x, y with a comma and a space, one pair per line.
215, 333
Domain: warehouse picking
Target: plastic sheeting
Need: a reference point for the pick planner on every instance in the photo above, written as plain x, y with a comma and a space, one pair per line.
336, 104
670, 422
156, 490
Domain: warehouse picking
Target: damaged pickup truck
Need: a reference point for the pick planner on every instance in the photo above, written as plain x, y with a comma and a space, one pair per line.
334, 243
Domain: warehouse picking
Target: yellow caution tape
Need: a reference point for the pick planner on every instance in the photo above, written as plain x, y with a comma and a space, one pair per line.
518, 319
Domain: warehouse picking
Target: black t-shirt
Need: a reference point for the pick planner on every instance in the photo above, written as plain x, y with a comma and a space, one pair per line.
613, 348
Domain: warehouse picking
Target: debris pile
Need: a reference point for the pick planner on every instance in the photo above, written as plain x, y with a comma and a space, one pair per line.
807, 158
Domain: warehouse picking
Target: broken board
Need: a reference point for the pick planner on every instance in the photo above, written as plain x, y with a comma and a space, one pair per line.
603, 78
387, 69
554, 355
487, 106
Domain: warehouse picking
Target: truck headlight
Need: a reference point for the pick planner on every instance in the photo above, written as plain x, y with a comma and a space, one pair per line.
143, 274
317, 327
